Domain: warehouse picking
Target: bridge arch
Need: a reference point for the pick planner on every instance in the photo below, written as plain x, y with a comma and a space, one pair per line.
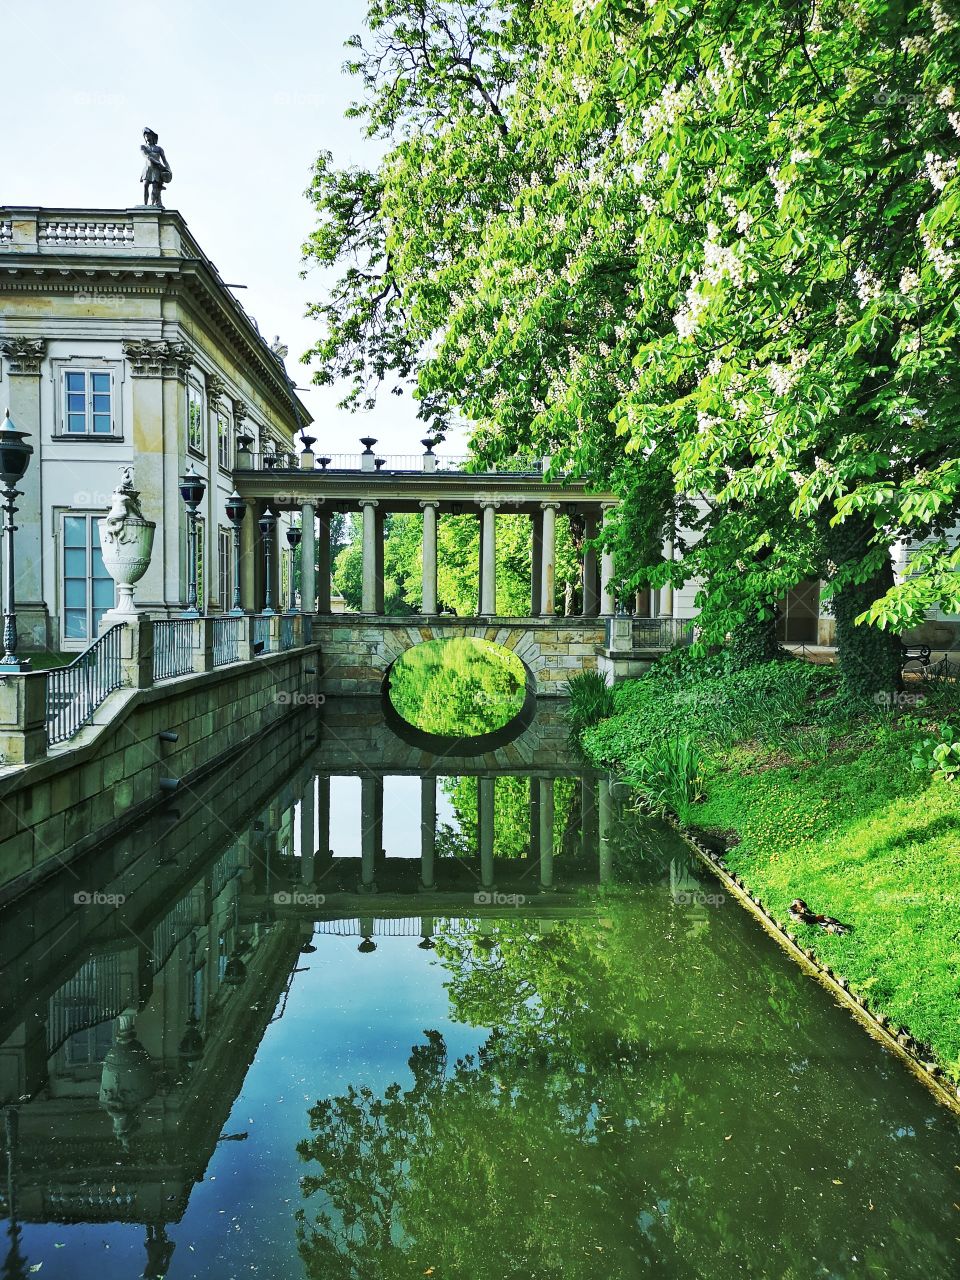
358, 651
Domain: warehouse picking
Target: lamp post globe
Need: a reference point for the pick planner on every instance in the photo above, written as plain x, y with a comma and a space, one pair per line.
267, 525
192, 489
236, 511
15, 455
294, 538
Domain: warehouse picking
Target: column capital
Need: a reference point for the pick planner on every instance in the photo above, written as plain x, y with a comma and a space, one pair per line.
216, 387
428, 502
608, 506
489, 502
369, 502
24, 354
158, 359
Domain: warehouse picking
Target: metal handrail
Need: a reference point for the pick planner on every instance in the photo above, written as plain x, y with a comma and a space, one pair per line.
74, 692
173, 642
227, 634
261, 634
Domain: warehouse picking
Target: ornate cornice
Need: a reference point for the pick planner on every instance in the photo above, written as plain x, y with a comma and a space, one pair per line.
216, 387
158, 359
24, 354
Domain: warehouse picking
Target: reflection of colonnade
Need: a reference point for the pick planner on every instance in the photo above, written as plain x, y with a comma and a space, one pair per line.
592, 831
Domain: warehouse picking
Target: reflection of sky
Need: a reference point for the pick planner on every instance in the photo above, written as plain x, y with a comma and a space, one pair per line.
401, 816
352, 1019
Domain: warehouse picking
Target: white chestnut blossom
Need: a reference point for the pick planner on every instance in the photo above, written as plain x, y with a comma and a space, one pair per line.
909, 280
939, 169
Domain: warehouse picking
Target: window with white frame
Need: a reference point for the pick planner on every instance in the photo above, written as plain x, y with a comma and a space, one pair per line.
88, 403
224, 544
195, 431
86, 589
223, 440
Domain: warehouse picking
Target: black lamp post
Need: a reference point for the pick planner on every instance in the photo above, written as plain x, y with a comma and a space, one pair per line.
236, 510
294, 536
15, 456
192, 489
267, 524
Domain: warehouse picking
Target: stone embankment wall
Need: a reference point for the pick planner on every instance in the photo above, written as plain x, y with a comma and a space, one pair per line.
117, 768
358, 652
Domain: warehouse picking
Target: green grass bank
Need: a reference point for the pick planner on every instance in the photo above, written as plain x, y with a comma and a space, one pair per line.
855, 809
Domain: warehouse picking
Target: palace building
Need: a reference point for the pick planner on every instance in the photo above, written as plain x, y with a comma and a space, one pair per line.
120, 345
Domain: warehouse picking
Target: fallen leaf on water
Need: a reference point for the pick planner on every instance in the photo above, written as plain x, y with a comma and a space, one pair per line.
728, 1137
837, 1182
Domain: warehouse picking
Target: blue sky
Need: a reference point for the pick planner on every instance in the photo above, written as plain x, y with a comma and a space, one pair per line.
243, 96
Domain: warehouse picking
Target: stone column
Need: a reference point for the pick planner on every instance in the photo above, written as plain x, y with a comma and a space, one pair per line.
666, 591
588, 815
323, 564
486, 816
488, 558
370, 842
605, 822
608, 604
308, 840
546, 832
536, 565
534, 851
428, 831
370, 558
548, 602
308, 559
324, 852
428, 603
24, 357
591, 603
379, 526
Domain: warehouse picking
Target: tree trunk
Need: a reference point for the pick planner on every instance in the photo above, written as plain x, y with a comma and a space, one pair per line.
870, 659
754, 640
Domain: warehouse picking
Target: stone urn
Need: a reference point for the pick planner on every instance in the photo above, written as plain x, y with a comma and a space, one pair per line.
126, 541
128, 1079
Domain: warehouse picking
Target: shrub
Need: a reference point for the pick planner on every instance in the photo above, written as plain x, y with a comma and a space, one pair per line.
669, 774
941, 755
591, 700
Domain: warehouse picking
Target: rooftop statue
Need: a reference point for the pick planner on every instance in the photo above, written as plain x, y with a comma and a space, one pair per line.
156, 172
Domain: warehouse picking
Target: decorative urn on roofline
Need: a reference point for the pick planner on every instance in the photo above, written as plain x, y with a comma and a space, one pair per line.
126, 540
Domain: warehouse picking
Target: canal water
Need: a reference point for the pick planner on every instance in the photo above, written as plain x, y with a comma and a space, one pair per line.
355, 1008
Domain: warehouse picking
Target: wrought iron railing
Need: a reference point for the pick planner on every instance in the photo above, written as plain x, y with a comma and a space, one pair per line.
98, 990
261, 635
173, 642
287, 637
74, 692
662, 633
227, 635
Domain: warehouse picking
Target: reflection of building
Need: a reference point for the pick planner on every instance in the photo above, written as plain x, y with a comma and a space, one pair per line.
121, 345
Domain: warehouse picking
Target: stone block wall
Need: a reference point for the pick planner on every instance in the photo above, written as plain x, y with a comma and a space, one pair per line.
110, 774
357, 652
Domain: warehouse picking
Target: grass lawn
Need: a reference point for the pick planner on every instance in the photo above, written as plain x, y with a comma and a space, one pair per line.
819, 803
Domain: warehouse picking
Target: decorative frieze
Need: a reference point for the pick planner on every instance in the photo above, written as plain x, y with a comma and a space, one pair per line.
158, 359
24, 354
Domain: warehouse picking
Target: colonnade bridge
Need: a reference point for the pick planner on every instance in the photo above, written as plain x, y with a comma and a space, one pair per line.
359, 648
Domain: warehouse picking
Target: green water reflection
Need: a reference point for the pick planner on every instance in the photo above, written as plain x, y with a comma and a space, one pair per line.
458, 688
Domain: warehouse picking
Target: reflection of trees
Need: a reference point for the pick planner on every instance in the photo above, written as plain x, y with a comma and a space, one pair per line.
512, 816
625, 1117
460, 688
